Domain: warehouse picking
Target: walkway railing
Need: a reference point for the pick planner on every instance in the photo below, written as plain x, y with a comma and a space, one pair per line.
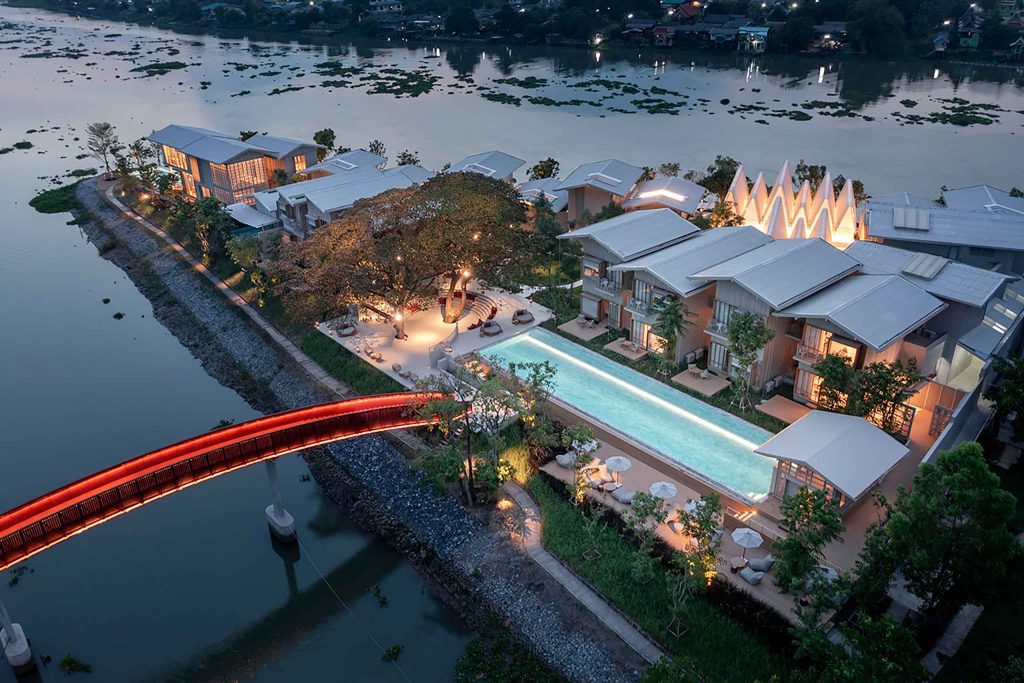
69, 510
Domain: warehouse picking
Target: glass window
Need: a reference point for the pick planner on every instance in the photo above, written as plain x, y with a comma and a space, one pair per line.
300, 162
642, 292
175, 158
719, 356
220, 176
246, 175
189, 185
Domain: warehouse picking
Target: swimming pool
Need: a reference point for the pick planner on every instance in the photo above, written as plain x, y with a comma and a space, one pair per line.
710, 442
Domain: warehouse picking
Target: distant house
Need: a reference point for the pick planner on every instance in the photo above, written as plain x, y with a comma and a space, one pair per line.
664, 36
533, 191
212, 164
683, 196
346, 162
830, 35
386, 7
969, 28
493, 164
982, 226
752, 39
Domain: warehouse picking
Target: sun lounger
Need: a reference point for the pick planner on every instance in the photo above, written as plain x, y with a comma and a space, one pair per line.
397, 367
623, 495
751, 576
404, 374
762, 564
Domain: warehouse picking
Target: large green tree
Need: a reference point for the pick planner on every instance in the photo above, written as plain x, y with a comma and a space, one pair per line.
717, 177
397, 248
812, 522
672, 320
947, 535
876, 26
326, 139
747, 335
1007, 394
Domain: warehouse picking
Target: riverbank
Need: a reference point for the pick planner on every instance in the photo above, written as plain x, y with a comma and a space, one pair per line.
481, 573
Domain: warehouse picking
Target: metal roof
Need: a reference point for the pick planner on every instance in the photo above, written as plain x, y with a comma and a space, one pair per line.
208, 145
983, 198
247, 215
953, 281
295, 192
345, 195
674, 266
610, 175
905, 199
348, 161
532, 190
278, 147
493, 164
637, 233
675, 193
847, 450
940, 225
1000, 315
874, 309
785, 271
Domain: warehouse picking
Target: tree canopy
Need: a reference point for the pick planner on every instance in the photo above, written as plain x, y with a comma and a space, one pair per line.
391, 250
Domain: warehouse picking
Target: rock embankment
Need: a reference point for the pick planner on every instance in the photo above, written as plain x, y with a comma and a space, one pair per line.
480, 571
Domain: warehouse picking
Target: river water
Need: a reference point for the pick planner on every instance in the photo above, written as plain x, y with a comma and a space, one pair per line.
191, 588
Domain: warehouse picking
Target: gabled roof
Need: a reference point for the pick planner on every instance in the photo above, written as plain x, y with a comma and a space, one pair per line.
1000, 314
278, 147
246, 215
785, 271
674, 266
298, 191
205, 144
951, 280
874, 309
610, 175
847, 450
532, 190
493, 164
345, 195
675, 193
348, 161
635, 234
983, 198
905, 199
940, 225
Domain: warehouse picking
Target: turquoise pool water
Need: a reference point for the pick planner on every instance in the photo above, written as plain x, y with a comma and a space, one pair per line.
710, 442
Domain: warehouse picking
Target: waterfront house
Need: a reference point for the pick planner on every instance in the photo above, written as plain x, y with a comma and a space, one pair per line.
493, 164
533, 191
212, 164
593, 186
670, 272
752, 39
346, 162
981, 226
617, 240
843, 455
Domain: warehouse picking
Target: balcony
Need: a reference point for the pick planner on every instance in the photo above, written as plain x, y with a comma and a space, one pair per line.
639, 308
718, 328
807, 354
602, 287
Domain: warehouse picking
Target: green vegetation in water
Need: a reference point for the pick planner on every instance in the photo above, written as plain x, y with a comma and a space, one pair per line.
60, 54
658, 106
57, 200
290, 88
908, 103
495, 657
159, 68
118, 316
502, 98
393, 653
240, 94
6, 150
401, 83
548, 102
82, 173
106, 300
337, 69
24, 144
382, 600
73, 665
530, 82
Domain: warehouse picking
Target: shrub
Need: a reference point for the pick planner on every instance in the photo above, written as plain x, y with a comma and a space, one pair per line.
57, 200
343, 365
518, 456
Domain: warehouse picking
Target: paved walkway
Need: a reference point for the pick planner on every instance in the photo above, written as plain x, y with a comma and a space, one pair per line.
591, 600
587, 597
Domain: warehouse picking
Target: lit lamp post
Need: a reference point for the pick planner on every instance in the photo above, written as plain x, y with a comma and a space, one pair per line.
400, 326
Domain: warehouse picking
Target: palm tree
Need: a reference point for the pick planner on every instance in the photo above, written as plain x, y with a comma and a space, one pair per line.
672, 321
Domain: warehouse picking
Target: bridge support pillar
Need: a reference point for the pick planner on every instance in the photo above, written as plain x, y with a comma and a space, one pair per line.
282, 524
14, 643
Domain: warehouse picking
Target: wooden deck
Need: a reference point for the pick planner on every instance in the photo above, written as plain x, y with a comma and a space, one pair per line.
783, 409
583, 332
708, 387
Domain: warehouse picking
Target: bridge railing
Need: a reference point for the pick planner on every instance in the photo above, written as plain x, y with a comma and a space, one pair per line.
21, 540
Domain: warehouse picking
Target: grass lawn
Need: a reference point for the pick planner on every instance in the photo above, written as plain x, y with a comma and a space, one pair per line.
716, 645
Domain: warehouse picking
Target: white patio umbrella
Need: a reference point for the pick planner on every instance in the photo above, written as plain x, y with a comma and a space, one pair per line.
663, 489
617, 463
747, 538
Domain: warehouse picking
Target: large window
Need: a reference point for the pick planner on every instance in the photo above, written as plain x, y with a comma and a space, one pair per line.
175, 158
642, 293
723, 311
719, 356
300, 162
247, 174
219, 172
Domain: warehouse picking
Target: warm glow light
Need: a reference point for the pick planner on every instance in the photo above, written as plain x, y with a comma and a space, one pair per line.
504, 504
398, 316
947, 22
663, 193
476, 236
465, 273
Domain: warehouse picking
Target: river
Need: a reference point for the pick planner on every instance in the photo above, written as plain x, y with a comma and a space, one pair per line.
191, 588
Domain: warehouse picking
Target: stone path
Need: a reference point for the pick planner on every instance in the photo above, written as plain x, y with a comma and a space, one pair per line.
587, 597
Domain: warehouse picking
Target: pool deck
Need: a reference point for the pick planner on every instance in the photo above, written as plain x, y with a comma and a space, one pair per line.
583, 332
707, 387
616, 346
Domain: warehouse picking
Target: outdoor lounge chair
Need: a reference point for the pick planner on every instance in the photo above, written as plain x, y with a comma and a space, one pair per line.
762, 564
404, 374
751, 576
623, 495
397, 367
490, 329
704, 374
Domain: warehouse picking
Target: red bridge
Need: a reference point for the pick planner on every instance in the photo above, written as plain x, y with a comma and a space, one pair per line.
56, 516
